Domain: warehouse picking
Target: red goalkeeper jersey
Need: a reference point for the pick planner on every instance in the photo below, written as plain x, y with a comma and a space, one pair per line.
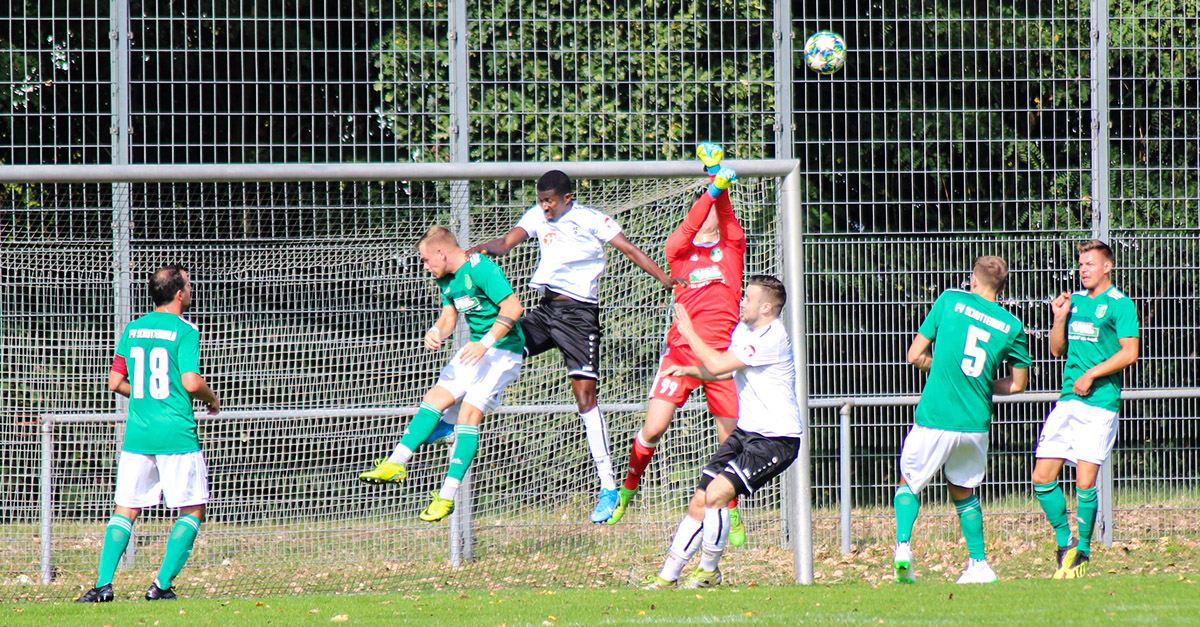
713, 273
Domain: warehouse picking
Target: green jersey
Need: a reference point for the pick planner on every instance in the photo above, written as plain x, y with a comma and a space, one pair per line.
971, 336
1095, 327
476, 290
158, 348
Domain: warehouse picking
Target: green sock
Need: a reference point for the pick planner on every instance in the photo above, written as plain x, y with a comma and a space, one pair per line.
421, 426
970, 518
1055, 505
465, 445
1086, 517
907, 507
179, 547
116, 538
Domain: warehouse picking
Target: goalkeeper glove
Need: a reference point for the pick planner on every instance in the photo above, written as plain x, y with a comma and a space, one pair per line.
710, 153
724, 179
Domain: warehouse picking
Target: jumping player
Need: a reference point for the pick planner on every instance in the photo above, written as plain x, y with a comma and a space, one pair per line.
707, 250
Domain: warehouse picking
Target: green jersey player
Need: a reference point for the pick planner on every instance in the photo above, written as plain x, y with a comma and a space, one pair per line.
157, 365
971, 335
1097, 330
476, 287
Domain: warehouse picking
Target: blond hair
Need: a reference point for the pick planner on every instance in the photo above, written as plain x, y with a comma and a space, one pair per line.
438, 236
992, 272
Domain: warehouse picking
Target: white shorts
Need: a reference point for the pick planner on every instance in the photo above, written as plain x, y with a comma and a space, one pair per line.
480, 384
142, 480
926, 451
1076, 431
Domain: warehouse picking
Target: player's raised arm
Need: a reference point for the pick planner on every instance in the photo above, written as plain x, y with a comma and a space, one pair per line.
500, 245
1061, 308
643, 261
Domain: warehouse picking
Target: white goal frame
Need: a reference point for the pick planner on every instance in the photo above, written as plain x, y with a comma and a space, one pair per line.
797, 492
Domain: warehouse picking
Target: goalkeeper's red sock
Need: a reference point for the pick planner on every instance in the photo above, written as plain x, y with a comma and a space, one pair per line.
639, 459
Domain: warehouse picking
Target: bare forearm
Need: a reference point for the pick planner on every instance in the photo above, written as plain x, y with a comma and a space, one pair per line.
1004, 387
496, 247
203, 393
709, 357
1058, 338
922, 362
506, 318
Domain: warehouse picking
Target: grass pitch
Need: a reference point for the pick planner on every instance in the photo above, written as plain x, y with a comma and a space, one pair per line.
1147, 599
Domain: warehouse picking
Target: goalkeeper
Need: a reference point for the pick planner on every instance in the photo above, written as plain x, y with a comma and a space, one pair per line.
475, 286
707, 250
961, 343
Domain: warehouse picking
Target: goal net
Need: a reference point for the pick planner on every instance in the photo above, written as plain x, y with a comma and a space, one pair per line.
312, 305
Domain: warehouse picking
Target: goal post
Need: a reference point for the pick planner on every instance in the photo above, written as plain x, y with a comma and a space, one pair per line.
308, 291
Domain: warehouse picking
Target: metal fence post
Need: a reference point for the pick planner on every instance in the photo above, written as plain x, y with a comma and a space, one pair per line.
1101, 201
46, 499
461, 538
846, 498
122, 215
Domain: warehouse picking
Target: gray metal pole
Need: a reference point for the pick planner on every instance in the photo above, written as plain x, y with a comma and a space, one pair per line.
461, 539
846, 499
1101, 201
792, 231
121, 194
784, 63
46, 498
784, 143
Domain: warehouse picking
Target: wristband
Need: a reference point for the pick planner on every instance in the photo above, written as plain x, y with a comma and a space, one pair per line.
434, 329
488, 340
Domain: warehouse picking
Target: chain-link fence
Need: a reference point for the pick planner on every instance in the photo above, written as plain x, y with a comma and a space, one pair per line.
954, 130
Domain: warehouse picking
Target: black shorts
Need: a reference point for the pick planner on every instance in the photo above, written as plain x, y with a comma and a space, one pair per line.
571, 326
750, 460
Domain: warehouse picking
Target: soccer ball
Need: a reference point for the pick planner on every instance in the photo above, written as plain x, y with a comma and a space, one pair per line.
825, 52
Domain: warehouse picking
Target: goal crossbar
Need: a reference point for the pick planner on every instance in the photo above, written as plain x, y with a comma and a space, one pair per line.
375, 171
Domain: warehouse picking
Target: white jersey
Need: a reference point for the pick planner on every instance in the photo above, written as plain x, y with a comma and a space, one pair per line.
572, 249
767, 385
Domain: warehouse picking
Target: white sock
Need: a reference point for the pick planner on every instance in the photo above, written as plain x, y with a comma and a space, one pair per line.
716, 532
683, 546
687, 537
449, 488
597, 437
401, 455
644, 442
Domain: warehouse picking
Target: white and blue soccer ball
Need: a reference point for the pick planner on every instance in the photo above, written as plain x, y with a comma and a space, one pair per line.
825, 52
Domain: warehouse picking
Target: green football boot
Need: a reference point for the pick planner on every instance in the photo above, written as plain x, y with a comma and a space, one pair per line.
384, 472
438, 509
737, 531
624, 497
